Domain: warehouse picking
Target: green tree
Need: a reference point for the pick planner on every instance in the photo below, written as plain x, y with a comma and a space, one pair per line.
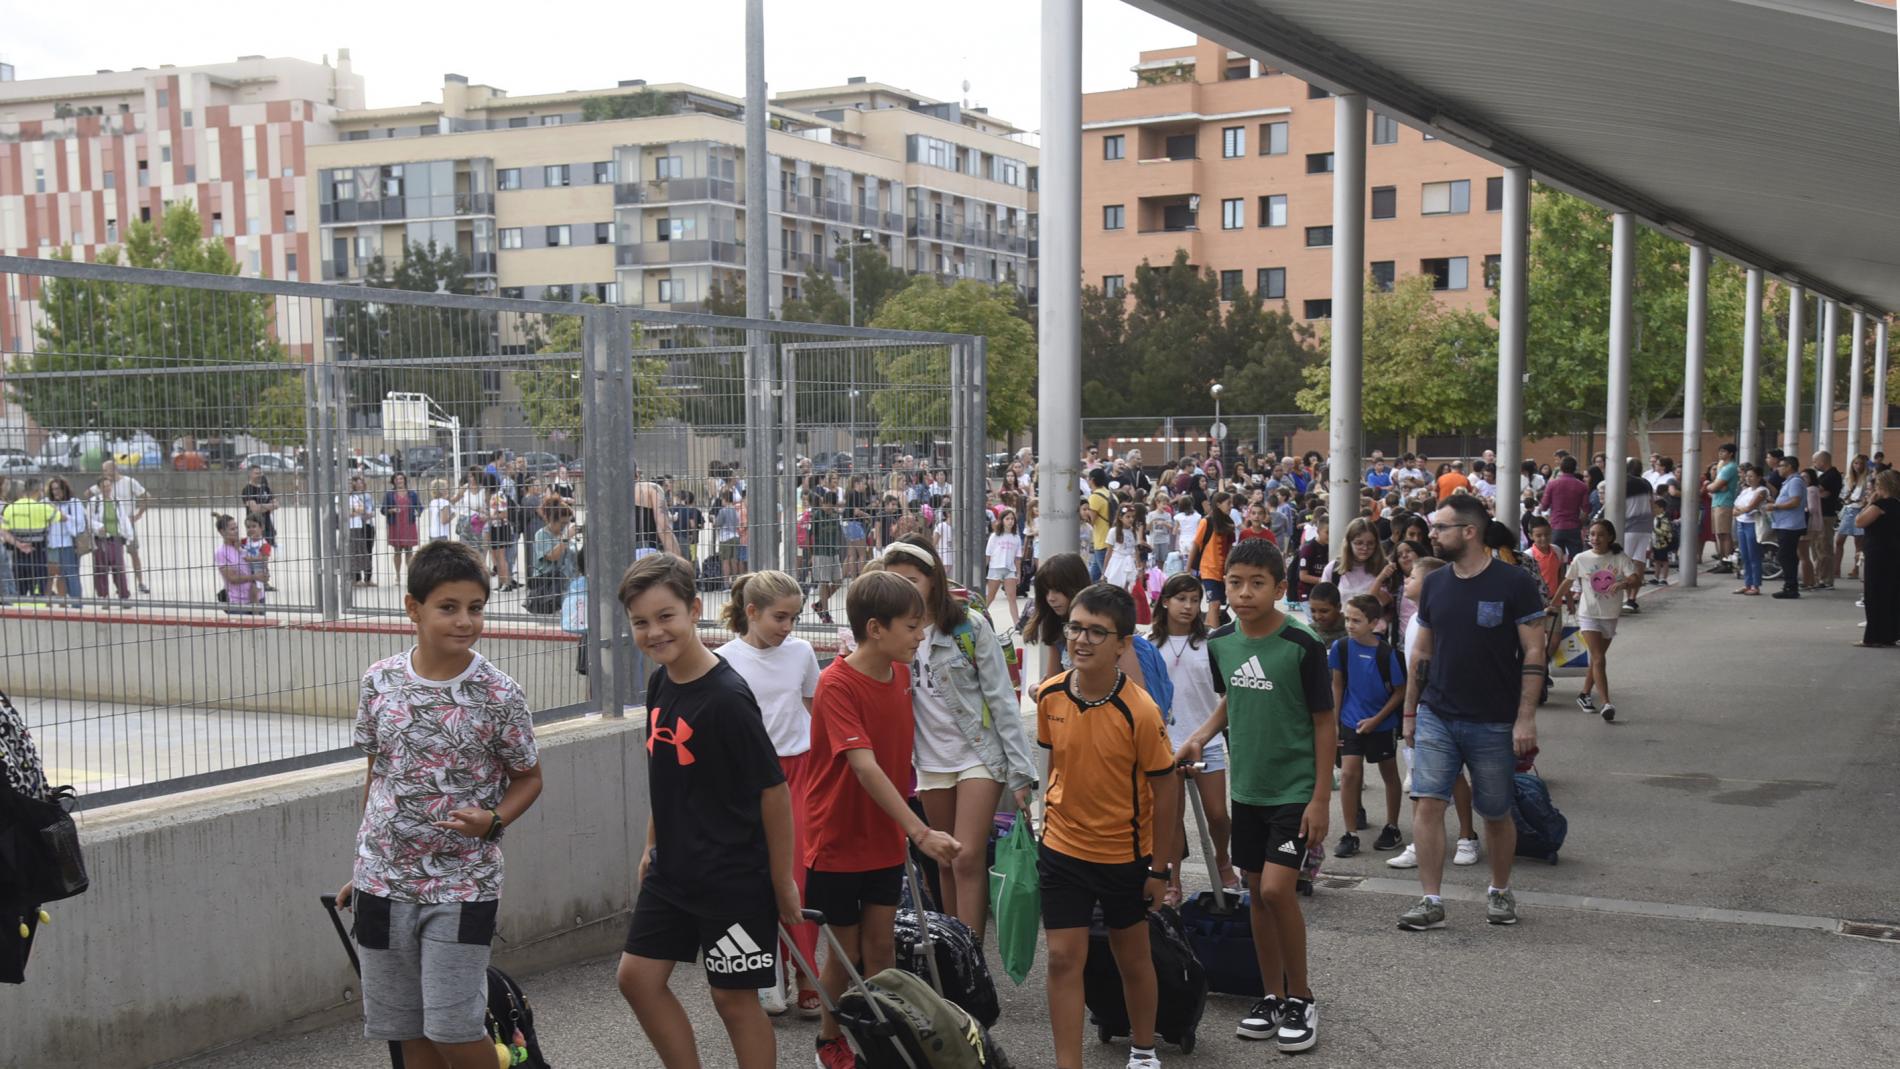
280, 419
823, 298
819, 300
969, 307
373, 330
641, 105
165, 331
552, 392
1427, 368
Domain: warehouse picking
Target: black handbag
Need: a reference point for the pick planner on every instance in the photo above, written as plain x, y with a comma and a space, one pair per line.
545, 590
40, 858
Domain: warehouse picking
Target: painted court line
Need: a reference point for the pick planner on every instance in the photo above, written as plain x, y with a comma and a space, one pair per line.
1594, 904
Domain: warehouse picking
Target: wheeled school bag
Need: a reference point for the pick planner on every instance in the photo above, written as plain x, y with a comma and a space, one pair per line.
510, 1018
949, 953
1219, 926
1541, 829
1181, 984
895, 1020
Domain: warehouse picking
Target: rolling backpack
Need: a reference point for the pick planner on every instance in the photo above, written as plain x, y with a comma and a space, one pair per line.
1541, 829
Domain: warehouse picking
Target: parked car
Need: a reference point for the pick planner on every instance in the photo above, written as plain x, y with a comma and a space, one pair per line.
18, 462
542, 463
371, 468
270, 462
829, 462
419, 459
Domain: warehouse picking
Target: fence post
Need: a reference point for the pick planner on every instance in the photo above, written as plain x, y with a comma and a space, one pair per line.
606, 362
970, 555
787, 459
336, 463
316, 428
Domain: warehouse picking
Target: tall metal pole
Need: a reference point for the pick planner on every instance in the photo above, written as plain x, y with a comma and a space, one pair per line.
1854, 367
1824, 371
1059, 361
1348, 326
1879, 428
852, 251
761, 490
1820, 332
1617, 411
1513, 320
1746, 438
1791, 398
1689, 480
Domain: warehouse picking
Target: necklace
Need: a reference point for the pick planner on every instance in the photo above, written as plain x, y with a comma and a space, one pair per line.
1104, 700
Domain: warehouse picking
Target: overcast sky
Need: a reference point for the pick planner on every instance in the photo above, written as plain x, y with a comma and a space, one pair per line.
930, 47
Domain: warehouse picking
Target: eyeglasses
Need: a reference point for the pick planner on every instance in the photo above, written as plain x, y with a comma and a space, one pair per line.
1450, 526
1088, 636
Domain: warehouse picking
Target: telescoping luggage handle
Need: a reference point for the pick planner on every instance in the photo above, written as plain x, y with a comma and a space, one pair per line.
924, 938
1193, 791
850, 970
336, 921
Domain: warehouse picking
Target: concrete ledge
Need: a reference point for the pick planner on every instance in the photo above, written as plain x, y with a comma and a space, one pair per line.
203, 907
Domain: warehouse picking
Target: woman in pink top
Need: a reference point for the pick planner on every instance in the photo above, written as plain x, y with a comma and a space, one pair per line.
242, 592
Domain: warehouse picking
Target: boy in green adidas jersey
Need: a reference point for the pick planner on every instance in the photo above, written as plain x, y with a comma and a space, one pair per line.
1277, 707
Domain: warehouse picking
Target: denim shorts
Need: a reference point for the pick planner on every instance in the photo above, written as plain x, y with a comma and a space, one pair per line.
1443, 746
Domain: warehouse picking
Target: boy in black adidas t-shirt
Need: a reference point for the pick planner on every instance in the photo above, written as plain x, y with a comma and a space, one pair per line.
716, 876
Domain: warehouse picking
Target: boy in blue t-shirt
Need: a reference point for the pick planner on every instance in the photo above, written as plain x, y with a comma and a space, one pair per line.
1368, 686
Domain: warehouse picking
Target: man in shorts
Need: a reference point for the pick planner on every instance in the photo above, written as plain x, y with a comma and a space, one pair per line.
1722, 490
1470, 701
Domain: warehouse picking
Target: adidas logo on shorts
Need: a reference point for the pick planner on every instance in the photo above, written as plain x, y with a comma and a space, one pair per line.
736, 953
1250, 676
1288, 847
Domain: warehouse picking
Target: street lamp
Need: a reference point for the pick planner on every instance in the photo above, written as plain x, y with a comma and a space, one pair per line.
864, 237
1218, 432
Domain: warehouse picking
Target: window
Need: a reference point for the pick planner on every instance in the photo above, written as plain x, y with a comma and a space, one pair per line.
607, 292
290, 221
1233, 214
145, 214
603, 172
1319, 163
1494, 194
145, 174
1383, 274
257, 262
1273, 139
556, 175
1233, 142
517, 122
187, 118
164, 99
1319, 237
665, 167
558, 292
559, 235
1314, 92
1231, 286
1446, 198
1178, 217
1112, 217
1491, 266
1385, 129
1320, 309
290, 265
366, 249
508, 178
1115, 146
1236, 71
191, 172
112, 179
663, 231
217, 224
1273, 209
511, 237
1181, 146
1113, 286
668, 289
1271, 282
1385, 202
112, 231
1447, 273
512, 292
164, 153
39, 179
603, 233
550, 120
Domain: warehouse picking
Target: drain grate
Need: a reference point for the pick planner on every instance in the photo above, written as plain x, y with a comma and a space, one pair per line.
1889, 933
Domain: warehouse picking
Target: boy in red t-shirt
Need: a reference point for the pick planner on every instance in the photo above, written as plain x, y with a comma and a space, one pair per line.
861, 735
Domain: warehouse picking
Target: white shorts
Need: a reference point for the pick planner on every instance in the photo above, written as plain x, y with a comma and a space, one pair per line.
945, 781
1602, 625
1637, 545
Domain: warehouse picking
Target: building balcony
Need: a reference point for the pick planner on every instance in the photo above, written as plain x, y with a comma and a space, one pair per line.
674, 190
649, 253
403, 209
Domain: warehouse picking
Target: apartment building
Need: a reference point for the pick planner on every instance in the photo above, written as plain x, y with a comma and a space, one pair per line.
1232, 160
549, 199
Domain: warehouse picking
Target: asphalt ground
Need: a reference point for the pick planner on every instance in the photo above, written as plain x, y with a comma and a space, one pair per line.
1738, 809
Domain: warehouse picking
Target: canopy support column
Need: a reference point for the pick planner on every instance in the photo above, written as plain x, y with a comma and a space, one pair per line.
1824, 379
1879, 428
1617, 411
1855, 364
1059, 357
1348, 326
1791, 397
1513, 318
1747, 439
1689, 479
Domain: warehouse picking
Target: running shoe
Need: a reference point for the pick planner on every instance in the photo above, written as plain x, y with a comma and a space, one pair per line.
1608, 712
1348, 845
1424, 915
1467, 852
1407, 859
1261, 1022
1586, 703
835, 1053
773, 999
1389, 838
1299, 1025
1500, 907
1143, 1059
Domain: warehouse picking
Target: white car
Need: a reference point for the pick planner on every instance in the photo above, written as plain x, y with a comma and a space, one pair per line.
18, 462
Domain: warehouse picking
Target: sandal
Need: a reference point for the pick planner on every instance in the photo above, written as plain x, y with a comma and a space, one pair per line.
809, 1006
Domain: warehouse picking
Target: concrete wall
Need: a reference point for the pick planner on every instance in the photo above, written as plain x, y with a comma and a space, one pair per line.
202, 926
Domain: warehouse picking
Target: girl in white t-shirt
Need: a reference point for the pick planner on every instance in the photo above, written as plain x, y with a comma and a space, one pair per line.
438, 520
1005, 552
783, 674
1362, 569
1180, 633
1598, 580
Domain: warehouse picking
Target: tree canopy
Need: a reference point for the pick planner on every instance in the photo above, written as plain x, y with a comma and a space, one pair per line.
969, 307
552, 393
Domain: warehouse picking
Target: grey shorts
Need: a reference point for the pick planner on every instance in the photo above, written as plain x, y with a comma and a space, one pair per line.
826, 570
425, 968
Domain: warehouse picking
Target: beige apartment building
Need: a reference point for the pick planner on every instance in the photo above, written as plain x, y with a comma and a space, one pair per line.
1231, 160
650, 211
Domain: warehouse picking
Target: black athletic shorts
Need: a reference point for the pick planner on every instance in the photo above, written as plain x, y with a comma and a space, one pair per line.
1268, 833
739, 954
842, 896
1071, 888
1374, 746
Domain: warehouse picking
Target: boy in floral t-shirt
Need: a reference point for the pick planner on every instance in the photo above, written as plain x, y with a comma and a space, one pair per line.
451, 764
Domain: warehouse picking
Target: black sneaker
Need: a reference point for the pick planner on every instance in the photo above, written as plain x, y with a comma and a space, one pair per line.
1586, 703
1389, 838
1362, 820
1348, 845
1786, 595
1261, 1022
1629, 605
1299, 1025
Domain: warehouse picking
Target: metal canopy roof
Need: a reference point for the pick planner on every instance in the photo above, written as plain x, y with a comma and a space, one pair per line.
1766, 129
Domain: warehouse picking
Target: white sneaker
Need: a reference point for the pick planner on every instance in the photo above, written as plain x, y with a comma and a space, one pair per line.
1146, 1060
1407, 859
1467, 852
773, 999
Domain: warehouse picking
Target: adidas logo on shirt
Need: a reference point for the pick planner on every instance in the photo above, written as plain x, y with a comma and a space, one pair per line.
736, 953
1250, 676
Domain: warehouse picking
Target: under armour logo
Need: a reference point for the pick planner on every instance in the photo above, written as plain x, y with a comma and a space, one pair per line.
678, 736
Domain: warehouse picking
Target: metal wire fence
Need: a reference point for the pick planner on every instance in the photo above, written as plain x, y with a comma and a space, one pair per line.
175, 430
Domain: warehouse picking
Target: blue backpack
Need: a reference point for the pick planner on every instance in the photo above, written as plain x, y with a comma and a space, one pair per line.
1540, 827
1155, 670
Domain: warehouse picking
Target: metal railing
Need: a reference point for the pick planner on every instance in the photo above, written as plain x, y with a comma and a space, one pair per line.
138, 680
